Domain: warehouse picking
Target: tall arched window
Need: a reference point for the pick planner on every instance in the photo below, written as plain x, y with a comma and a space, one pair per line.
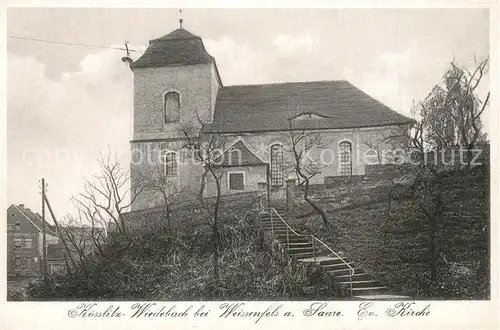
171, 164
171, 104
276, 165
345, 158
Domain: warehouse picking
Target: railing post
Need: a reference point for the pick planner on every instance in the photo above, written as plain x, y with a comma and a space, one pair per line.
287, 240
350, 279
314, 253
272, 227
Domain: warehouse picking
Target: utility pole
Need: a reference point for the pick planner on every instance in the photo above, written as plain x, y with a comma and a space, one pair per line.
44, 233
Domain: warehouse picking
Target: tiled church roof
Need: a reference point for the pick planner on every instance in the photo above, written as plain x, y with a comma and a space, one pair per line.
271, 107
179, 47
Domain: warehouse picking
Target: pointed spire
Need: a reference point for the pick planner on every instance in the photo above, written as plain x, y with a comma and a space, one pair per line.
180, 18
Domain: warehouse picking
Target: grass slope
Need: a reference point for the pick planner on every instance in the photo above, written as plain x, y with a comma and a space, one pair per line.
176, 264
393, 243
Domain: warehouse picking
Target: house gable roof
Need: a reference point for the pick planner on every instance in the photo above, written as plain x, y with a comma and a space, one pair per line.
271, 107
36, 219
238, 154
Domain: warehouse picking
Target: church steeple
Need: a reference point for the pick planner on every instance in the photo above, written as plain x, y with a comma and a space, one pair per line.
180, 18
176, 83
179, 47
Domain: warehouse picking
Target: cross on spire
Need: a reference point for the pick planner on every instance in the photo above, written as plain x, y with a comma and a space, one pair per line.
180, 18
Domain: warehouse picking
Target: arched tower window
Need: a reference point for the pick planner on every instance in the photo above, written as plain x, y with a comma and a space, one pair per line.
345, 158
171, 105
171, 164
276, 165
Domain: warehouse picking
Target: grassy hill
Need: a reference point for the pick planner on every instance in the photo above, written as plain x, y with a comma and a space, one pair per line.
380, 226
389, 236
176, 264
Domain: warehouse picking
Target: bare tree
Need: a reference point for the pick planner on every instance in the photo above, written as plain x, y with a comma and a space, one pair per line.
103, 202
207, 149
158, 181
303, 144
68, 257
86, 231
110, 194
385, 142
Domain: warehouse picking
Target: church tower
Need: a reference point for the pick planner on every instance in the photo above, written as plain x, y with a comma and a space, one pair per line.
175, 86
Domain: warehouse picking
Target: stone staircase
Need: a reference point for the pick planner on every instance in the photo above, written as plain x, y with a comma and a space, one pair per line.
350, 280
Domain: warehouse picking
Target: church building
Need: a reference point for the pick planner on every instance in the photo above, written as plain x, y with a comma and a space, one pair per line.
177, 87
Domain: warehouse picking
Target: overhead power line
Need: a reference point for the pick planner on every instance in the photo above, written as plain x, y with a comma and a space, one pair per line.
72, 43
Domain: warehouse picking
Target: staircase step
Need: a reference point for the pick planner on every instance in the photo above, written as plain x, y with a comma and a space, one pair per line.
275, 225
283, 231
275, 222
291, 240
335, 261
290, 236
360, 284
338, 266
344, 276
275, 218
308, 256
278, 231
281, 226
345, 271
268, 219
303, 255
376, 290
297, 250
282, 235
297, 244
318, 260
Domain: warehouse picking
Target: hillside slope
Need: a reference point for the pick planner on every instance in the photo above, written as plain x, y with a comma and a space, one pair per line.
389, 236
176, 264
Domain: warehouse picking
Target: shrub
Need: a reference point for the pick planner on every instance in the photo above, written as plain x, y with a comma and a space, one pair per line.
159, 263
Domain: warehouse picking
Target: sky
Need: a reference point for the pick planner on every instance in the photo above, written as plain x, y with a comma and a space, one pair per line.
65, 104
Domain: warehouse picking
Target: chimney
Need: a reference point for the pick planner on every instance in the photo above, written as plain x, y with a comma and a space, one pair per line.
21, 205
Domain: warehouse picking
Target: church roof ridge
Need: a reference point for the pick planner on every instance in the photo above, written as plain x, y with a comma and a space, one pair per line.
179, 33
289, 83
269, 107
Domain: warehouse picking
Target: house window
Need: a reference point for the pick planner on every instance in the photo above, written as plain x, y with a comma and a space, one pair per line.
18, 243
171, 105
276, 165
171, 164
27, 243
18, 262
345, 158
29, 263
18, 225
236, 181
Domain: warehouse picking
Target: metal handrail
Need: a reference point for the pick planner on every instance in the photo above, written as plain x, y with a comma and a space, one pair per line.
338, 256
313, 238
262, 204
282, 220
